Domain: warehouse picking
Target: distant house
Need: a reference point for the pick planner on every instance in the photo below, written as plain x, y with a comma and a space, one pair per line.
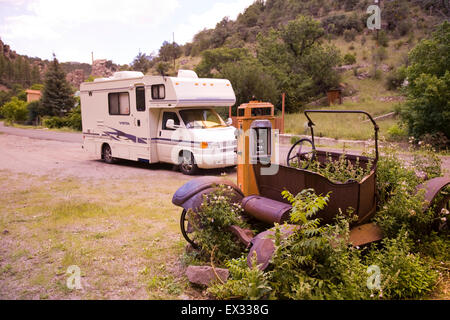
33, 95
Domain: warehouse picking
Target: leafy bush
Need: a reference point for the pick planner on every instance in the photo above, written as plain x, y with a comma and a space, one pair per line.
427, 110
55, 122
403, 274
340, 170
73, 119
400, 205
216, 214
396, 78
397, 133
316, 262
246, 283
349, 58
350, 35
15, 110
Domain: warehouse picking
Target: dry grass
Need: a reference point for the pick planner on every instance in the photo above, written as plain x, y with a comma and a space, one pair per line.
123, 236
343, 126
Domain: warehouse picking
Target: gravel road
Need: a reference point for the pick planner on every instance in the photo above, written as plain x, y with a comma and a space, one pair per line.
59, 154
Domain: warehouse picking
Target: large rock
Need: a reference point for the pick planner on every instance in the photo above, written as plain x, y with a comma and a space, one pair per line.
204, 275
103, 68
75, 77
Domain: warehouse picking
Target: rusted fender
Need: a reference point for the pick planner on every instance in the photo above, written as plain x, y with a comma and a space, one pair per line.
244, 235
190, 195
432, 188
263, 244
364, 234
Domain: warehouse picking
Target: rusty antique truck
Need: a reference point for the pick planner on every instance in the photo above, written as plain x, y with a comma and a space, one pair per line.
261, 181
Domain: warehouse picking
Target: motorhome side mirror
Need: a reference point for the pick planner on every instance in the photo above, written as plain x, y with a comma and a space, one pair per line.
229, 122
170, 124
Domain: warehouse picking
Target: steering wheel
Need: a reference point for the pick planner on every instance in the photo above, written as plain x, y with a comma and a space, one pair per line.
298, 157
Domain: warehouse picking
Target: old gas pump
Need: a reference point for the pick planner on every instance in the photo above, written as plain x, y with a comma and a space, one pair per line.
256, 123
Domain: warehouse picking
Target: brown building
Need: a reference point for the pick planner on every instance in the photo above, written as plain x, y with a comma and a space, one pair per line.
33, 95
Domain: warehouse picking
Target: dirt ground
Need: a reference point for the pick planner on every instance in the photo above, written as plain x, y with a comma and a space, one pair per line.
60, 206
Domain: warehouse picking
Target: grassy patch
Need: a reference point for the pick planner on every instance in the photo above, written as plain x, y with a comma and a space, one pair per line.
22, 126
111, 230
344, 126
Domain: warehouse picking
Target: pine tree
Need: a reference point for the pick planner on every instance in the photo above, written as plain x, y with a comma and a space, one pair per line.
57, 97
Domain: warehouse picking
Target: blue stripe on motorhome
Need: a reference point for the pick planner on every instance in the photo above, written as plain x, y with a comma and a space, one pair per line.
119, 134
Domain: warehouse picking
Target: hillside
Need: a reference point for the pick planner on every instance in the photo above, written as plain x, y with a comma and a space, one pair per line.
17, 69
404, 24
365, 65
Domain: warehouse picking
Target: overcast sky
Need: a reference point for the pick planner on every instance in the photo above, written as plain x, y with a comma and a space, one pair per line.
114, 30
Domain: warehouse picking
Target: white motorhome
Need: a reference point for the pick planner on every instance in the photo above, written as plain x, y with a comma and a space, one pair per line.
159, 119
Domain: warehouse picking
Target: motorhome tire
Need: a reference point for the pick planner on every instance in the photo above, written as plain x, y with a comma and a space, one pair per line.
107, 154
187, 163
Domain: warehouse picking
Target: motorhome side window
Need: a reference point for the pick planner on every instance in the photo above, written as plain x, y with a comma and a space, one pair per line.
167, 116
119, 103
158, 91
140, 98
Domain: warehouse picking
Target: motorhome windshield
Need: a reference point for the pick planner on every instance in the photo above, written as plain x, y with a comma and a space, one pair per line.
201, 119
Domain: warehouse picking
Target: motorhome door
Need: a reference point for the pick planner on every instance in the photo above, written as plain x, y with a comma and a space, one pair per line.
167, 137
141, 124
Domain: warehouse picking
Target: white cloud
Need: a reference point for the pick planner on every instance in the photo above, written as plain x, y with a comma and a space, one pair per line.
50, 19
112, 29
197, 22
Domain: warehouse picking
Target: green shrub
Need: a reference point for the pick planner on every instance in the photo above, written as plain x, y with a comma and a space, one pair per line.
216, 214
403, 274
397, 133
350, 35
341, 170
400, 205
73, 119
15, 110
427, 108
245, 283
349, 58
396, 78
55, 122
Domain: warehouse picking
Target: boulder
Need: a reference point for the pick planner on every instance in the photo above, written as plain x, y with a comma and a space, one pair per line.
204, 275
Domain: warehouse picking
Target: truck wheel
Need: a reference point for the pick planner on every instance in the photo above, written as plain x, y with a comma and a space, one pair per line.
107, 154
187, 163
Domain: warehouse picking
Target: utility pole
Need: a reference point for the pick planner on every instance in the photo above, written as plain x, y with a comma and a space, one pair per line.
173, 48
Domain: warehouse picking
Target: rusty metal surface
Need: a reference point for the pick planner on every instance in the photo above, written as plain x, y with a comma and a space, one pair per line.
266, 210
343, 195
244, 235
263, 245
195, 186
364, 234
432, 188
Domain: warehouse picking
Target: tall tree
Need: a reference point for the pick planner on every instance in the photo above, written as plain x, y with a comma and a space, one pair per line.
57, 96
169, 51
142, 62
295, 57
427, 110
35, 75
